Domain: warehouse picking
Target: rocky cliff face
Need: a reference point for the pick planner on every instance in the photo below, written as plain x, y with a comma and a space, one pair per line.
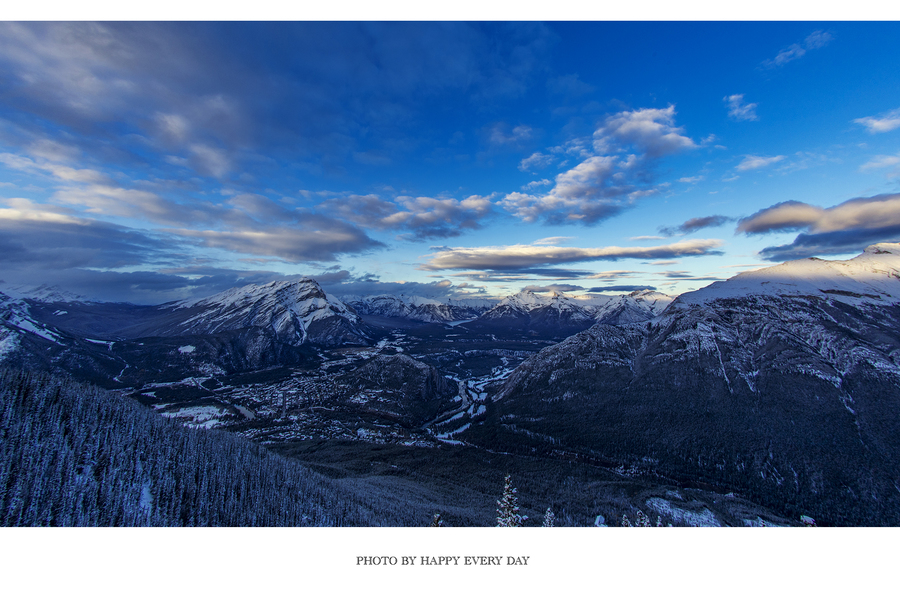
293, 312
782, 383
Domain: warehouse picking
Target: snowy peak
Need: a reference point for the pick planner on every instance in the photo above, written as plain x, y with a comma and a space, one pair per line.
416, 308
290, 309
873, 277
556, 313
524, 300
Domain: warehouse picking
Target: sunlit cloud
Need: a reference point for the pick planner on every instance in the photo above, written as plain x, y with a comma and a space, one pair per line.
651, 131
522, 257
610, 275
614, 171
552, 241
847, 227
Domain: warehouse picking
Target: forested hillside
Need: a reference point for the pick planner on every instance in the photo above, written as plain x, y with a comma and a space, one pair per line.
75, 455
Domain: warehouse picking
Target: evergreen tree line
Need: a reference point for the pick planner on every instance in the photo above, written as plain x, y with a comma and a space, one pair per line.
74, 455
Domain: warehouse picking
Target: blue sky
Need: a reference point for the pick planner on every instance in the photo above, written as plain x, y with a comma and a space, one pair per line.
153, 161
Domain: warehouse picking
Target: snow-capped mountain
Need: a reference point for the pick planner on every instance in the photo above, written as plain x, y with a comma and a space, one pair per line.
559, 314
294, 312
27, 341
417, 308
41, 293
871, 278
636, 307
783, 383
252, 327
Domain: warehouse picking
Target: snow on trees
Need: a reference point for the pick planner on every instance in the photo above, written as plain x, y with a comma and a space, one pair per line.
508, 506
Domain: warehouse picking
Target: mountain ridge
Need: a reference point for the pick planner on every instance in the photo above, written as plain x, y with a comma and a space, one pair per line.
790, 397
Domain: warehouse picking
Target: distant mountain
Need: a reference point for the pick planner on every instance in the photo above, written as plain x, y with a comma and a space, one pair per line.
41, 293
29, 342
251, 327
417, 308
636, 307
558, 315
782, 383
293, 312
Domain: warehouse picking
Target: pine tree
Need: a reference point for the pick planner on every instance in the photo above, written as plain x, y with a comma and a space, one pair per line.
508, 506
641, 520
549, 518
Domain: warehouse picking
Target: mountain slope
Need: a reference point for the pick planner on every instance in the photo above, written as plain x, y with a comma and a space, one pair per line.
74, 455
294, 312
783, 384
252, 327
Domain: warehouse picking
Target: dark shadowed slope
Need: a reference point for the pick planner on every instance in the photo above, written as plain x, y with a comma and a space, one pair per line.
782, 383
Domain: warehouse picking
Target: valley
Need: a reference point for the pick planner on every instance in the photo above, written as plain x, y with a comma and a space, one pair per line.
770, 398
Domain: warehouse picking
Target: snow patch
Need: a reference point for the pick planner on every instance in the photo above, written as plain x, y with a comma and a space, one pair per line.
701, 518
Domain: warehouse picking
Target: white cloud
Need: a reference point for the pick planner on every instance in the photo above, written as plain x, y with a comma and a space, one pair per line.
860, 213
209, 160
588, 192
881, 162
61, 172
22, 209
533, 185
551, 241
522, 257
817, 39
535, 162
499, 135
792, 52
611, 275
738, 110
752, 162
613, 178
882, 123
814, 41
650, 130
423, 217
173, 127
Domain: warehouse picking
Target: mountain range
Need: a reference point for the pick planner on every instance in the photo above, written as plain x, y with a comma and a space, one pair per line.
784, 382
781, 385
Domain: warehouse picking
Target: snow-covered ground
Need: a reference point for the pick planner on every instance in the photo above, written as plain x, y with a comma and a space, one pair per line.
205, 417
